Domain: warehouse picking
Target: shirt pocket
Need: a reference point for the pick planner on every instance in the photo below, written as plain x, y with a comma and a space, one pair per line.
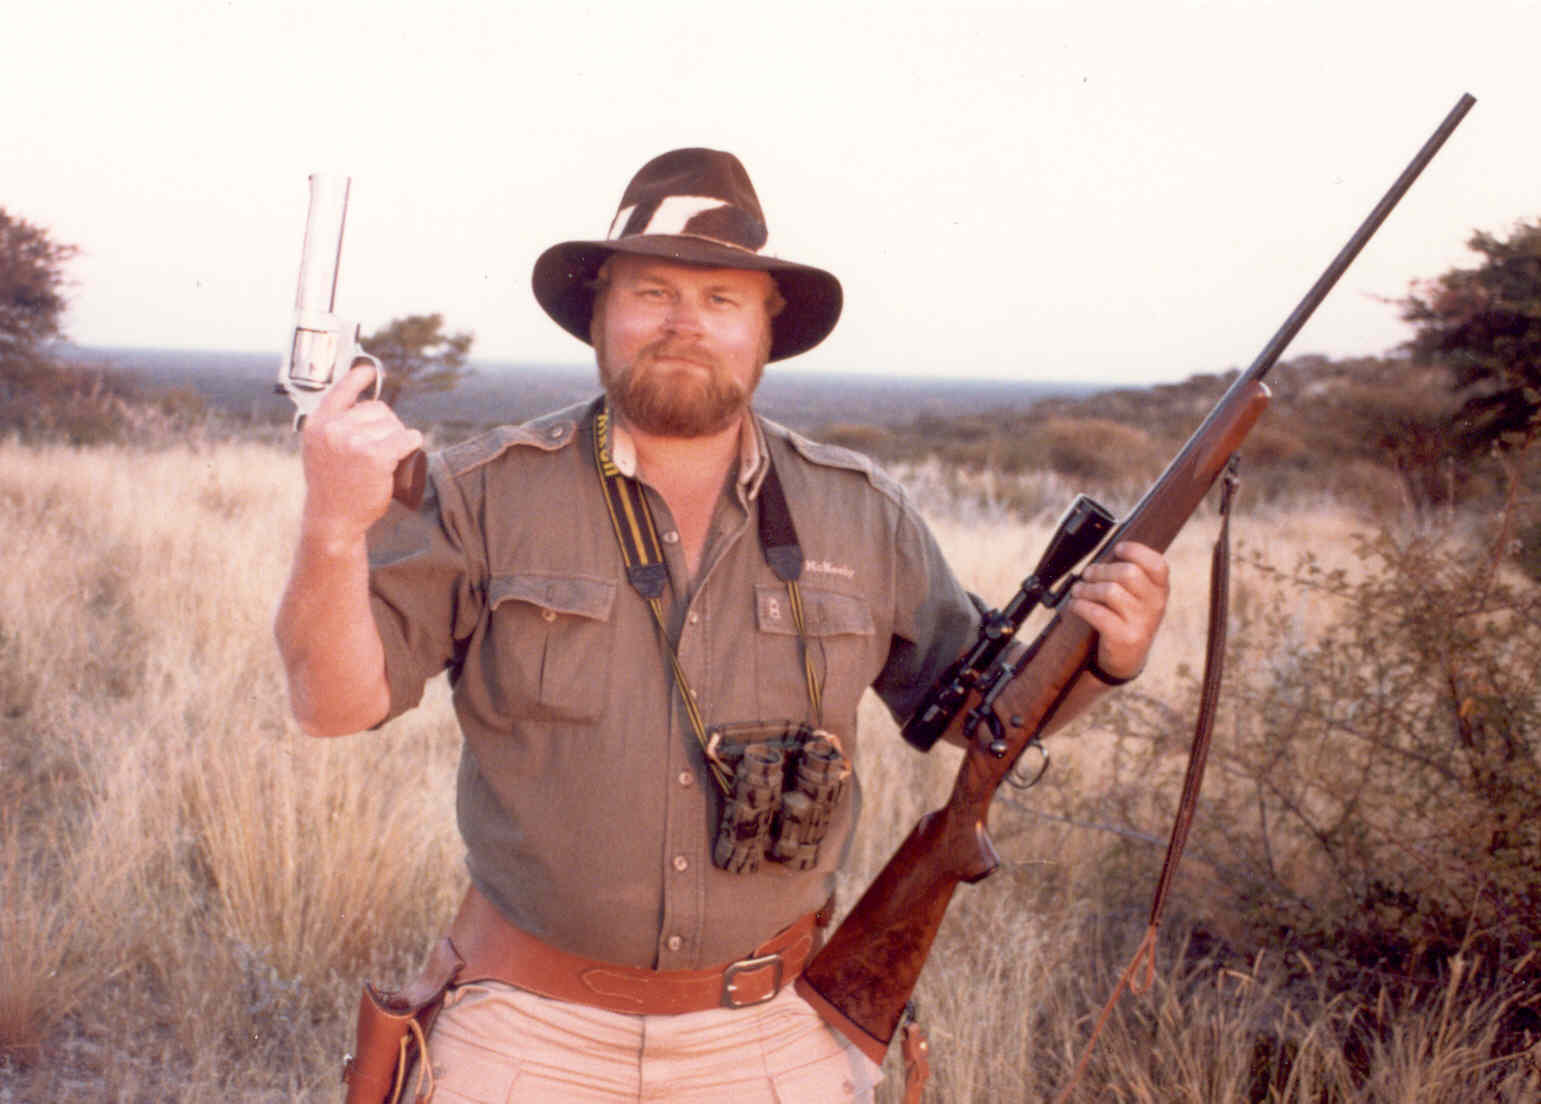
551, 638
840, 632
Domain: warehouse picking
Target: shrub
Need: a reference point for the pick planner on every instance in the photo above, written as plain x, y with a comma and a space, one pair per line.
1096, 450
82, 405
1375, 788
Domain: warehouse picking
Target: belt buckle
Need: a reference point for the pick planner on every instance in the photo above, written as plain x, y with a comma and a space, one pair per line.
743, 965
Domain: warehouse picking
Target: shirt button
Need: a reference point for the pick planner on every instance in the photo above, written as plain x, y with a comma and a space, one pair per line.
548, 615
686, 778
681, 863
671, 537
693, 617
675, 943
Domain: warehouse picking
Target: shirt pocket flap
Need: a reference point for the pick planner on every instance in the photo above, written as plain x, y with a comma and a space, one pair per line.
556, 594
825, 612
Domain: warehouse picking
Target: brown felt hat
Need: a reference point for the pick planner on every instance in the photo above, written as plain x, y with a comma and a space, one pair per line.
694, 206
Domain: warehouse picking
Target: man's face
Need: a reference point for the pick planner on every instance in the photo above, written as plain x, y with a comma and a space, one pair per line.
681, 348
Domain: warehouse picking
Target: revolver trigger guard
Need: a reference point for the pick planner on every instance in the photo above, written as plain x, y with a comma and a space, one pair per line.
373, 362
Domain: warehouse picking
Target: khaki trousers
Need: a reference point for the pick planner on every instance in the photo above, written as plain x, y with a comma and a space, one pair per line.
494, 1044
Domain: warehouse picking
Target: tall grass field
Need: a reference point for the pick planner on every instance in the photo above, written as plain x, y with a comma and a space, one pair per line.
192, 892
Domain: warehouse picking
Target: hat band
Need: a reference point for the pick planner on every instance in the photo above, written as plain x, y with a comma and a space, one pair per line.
672, 215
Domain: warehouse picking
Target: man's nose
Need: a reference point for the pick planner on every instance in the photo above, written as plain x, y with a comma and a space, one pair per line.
684, 315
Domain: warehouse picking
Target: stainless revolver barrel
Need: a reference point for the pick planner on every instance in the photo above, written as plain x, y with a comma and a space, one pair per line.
322, 346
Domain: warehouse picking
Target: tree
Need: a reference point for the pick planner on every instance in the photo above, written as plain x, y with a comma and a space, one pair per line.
32, 301
1396, 413
1484, 325
419, 357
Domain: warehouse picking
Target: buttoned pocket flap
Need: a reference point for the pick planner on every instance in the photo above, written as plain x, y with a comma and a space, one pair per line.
825, 612
555, 594
552, 635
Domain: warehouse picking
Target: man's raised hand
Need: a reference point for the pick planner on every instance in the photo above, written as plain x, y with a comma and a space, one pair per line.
350, 450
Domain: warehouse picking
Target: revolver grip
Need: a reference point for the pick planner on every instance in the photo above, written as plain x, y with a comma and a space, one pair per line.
411, 476
411, 479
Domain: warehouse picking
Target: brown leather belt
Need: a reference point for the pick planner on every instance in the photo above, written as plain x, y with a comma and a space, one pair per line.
495, 950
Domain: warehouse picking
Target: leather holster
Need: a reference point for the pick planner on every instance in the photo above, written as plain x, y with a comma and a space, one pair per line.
387, 1045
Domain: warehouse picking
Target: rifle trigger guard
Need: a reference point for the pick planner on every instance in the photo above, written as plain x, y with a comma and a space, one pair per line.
1018, 777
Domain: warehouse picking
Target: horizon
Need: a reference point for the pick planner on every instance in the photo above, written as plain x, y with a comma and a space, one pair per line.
780, 371
579, 368
241, 383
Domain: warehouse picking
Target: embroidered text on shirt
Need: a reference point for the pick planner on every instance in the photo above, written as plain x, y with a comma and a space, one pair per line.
824, 567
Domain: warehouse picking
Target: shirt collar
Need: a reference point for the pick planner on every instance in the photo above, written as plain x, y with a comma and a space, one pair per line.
752, 455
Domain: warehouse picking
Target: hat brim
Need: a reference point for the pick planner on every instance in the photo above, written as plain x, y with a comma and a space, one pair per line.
564, 275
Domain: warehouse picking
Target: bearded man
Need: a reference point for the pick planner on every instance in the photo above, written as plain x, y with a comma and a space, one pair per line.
635, 598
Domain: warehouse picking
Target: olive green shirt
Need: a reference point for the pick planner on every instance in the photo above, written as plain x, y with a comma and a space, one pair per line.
583, 795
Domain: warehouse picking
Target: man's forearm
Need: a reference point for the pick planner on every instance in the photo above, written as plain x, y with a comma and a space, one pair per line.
327, 637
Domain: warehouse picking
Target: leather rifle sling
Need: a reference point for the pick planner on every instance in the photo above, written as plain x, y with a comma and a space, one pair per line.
1198, 757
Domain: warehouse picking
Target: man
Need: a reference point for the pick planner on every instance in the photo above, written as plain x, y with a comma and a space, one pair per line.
609, 586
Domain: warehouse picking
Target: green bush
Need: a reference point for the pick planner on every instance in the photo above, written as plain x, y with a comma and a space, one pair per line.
1379, 788
1373, 799
55, 401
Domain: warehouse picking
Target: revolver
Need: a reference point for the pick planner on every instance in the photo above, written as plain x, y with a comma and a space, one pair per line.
323, 346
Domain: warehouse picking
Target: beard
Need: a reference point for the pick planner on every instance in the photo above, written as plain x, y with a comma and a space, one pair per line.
674, 402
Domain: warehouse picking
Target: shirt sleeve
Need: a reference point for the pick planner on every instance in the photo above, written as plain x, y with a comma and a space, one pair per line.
426, 582
935, 619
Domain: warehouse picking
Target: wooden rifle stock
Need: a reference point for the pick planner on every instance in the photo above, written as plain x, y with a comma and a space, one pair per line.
862, 979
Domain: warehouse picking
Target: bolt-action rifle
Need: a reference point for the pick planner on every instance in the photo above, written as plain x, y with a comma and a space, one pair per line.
864, 976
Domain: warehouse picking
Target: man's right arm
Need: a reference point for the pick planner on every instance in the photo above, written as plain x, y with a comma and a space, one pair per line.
332, 653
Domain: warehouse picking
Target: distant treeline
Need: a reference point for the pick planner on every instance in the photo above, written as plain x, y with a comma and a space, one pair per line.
1373, 431
241, 385
1379, 432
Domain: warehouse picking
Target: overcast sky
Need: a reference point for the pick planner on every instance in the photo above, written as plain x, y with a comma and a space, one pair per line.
1133, 190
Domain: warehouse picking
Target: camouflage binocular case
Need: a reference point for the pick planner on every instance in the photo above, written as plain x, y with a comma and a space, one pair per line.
786, 781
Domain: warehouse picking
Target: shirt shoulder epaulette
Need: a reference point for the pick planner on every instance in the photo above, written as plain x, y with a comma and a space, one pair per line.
548, 433
838, 456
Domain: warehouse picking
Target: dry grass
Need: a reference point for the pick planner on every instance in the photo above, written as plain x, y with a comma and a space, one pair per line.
192, 892
188, 880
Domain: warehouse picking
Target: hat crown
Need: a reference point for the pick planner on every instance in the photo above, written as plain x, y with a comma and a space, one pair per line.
695, 192
696, 207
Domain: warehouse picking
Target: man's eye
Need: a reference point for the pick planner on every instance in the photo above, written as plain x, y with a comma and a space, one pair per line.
724, 300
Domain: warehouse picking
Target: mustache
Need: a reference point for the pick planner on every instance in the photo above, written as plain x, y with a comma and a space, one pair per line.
672, 350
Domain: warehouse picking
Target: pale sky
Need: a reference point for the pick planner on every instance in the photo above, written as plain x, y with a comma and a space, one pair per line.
1132, 190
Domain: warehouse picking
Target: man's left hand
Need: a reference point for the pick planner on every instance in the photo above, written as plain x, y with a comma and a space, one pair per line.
1124, 599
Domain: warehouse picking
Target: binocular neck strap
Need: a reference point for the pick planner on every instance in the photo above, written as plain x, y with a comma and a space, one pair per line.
642, 553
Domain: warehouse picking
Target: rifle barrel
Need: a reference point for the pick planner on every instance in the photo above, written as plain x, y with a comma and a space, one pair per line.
1313, 299
1250, 381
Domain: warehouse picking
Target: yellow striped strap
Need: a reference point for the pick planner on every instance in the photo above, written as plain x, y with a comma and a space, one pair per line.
649, 574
